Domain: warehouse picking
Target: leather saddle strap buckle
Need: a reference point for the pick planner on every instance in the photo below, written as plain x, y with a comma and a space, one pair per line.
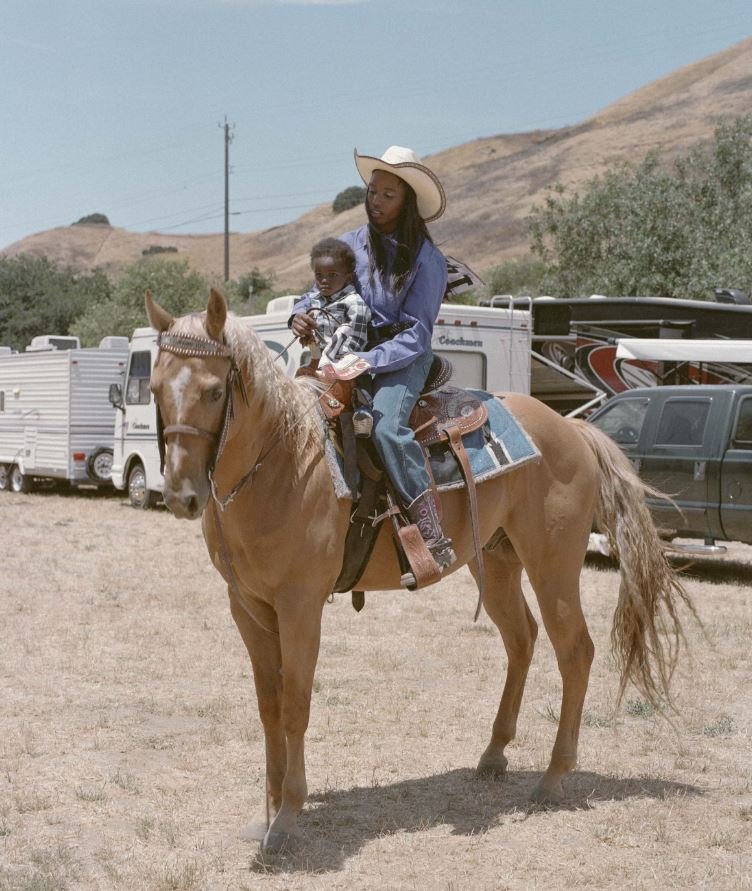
458, 449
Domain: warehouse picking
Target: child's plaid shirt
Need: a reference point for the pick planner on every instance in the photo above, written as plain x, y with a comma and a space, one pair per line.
346, 316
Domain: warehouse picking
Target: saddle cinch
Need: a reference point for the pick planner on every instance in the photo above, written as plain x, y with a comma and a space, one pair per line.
442, 415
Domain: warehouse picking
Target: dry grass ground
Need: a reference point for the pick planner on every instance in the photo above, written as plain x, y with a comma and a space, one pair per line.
131, 752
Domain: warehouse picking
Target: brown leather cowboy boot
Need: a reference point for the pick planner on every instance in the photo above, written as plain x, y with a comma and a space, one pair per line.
424, 513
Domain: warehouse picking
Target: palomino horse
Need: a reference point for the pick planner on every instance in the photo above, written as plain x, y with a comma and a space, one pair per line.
244, 451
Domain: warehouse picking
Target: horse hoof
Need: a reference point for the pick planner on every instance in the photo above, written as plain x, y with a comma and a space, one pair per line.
491, 771
276, 843
492, 768
547, 794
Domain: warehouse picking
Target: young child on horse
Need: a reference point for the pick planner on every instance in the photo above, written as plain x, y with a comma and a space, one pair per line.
402, 277
341, 314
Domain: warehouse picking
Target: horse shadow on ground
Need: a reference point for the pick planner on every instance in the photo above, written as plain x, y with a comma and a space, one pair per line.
336, 825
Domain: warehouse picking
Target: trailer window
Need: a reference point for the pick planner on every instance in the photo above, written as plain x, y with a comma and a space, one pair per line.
137, 387
468, 369
683, 422
2, 400
743, 431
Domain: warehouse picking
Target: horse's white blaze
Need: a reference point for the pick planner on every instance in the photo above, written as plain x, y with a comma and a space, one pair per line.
176, 455
178, 386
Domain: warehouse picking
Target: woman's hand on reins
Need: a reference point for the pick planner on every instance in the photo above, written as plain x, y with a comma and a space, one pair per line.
303, 325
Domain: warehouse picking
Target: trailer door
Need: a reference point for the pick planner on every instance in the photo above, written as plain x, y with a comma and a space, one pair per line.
30, 450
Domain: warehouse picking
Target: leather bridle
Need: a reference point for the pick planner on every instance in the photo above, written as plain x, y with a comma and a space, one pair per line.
191, 346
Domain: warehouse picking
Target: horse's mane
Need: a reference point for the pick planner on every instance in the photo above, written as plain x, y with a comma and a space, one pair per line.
286, 403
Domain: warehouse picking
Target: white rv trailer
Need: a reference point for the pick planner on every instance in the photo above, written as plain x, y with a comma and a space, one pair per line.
489, 349
56, 420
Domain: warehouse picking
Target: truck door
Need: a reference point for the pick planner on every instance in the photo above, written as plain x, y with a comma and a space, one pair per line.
681, 461
736, 477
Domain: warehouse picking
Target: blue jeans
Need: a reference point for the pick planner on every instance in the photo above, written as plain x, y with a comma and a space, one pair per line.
394, 396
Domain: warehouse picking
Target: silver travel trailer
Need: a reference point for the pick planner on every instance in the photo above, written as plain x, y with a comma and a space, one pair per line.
56, 421
489, 348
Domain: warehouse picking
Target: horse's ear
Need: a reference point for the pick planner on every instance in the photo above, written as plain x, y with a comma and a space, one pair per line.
159, 318
216, 315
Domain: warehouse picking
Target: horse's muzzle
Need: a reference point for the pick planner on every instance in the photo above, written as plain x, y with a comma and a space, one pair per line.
187, 502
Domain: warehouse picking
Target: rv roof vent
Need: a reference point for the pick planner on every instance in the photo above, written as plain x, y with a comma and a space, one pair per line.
6, 351
281, 304
113, 342
53, 342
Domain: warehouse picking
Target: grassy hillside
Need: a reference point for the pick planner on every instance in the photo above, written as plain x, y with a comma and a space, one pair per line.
491, 183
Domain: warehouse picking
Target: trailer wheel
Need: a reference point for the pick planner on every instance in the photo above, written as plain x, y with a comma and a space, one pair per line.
4, 478
99, 465
138, 494
19, 482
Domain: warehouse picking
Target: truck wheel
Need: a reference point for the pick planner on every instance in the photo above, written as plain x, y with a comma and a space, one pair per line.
19, 482
138, 494
4, 478
100, 465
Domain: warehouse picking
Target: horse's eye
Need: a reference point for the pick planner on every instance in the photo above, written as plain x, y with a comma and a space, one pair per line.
216, 394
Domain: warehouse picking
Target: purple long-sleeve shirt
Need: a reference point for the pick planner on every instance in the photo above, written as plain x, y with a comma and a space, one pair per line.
417, 304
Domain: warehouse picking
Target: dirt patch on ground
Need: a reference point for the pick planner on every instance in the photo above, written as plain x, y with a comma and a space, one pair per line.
132, 755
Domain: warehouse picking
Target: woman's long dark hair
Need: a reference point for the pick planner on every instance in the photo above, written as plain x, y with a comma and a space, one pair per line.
410, 234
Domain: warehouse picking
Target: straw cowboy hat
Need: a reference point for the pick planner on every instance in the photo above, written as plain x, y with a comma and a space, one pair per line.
404, 163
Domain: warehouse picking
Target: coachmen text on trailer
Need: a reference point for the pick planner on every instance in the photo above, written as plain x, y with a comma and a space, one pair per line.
56, 420
489, 348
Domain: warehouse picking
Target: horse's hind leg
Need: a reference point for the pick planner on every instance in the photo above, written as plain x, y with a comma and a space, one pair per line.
505, 604
556, 581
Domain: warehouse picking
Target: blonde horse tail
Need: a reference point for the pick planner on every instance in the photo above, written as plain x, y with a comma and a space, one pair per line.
647, 633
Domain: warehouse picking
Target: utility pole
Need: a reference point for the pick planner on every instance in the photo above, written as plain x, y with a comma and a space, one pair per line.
228, 140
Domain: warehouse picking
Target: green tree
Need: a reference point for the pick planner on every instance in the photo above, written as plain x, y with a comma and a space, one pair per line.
251, 292
654, 229
349, 197
518, 277
97, 218
37, 297
175, 286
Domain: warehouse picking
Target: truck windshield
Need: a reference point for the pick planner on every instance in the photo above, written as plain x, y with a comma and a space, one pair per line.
137, 387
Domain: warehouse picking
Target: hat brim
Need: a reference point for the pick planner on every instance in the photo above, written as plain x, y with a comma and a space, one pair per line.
424, 182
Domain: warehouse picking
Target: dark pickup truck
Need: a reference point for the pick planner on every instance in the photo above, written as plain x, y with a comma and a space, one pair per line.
695, 444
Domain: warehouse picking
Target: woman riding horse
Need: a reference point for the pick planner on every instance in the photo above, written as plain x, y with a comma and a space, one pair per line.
402, 276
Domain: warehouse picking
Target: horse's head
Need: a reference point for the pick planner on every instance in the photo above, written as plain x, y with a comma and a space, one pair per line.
190, 382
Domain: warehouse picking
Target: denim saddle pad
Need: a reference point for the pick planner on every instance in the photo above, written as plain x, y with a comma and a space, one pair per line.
497, 447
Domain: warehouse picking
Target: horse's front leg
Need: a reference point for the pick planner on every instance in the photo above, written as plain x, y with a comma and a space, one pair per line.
505, 604
264, 650
300, 635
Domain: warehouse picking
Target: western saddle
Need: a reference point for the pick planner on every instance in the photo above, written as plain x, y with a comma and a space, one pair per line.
443, 414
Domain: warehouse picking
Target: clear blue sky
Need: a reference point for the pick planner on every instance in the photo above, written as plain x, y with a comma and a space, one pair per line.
114, 106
